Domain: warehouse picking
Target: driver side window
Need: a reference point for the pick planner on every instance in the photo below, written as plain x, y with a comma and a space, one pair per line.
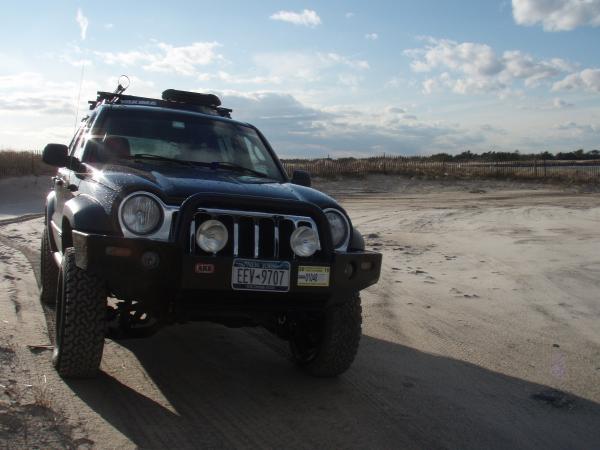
76, 148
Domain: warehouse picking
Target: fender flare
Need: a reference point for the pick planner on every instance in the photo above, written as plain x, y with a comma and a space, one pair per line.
357, 242
84, 213
49, 212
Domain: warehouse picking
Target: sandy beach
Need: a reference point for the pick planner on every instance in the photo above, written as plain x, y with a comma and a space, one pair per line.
482, 333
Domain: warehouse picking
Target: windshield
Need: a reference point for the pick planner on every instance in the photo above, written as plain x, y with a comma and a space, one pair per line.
184, 137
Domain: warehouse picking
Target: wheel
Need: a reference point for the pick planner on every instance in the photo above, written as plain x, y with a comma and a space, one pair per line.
80, 321
326, 346
48, 272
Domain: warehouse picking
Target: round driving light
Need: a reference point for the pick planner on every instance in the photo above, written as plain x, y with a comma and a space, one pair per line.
304, 241
150, 260
141, 214
339, 227
212, 236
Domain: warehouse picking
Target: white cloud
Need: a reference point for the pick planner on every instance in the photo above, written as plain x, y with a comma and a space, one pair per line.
476, 68
557, 15
544, 104
349, 15
305, 67
83, 23
184, 60
20, 80
202, 60
109, 26
307, 17
296, 129
336, 58
492, 129
371, 36
559, 103
127, 58
71, 54
575, 129
587, 79
229, 78
429, 86
31, 93
350, 80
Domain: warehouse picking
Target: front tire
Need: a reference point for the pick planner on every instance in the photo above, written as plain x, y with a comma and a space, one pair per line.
80, 321
48, 272
327, 346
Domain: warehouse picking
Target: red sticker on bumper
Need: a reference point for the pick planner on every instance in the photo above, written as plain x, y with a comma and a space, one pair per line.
204, 268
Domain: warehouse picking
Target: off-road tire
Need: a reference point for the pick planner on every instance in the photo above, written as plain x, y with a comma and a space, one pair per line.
80, 321
339, 335
48, 272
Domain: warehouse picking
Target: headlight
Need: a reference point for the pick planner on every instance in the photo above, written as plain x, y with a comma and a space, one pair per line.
212, 236
304, 241
338, 225
141, 214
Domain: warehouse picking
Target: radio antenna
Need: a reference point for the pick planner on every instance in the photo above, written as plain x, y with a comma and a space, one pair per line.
79, 94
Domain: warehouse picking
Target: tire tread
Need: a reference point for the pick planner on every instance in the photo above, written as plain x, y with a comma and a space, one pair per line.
84, 321
341, 338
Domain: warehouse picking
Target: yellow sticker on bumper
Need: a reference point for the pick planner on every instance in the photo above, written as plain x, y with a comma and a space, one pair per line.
313, 276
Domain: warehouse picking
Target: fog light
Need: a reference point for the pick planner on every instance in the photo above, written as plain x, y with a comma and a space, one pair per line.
212, 236
150, 260
304, 241
366, 265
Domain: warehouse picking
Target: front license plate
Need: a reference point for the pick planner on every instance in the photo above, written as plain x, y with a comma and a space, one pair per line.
253, 275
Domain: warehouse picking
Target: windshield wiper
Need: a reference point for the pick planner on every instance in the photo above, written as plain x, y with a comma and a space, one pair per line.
215, 164
159, 158
238, 168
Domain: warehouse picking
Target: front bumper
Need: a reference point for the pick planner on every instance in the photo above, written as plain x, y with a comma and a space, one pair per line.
140, 268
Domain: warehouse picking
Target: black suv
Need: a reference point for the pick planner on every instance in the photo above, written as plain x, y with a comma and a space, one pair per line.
167, 211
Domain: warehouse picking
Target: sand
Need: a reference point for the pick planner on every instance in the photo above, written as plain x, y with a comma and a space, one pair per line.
483, 332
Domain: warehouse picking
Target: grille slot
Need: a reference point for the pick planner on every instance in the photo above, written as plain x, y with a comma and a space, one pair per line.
252, 235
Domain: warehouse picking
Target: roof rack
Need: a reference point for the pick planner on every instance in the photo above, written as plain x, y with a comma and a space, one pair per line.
171, 98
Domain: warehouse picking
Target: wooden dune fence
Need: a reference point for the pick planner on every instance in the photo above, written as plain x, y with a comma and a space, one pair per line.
580, 171
15, 164
21, 163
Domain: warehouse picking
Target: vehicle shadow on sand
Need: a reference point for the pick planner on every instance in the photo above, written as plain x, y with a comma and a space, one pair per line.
234, 388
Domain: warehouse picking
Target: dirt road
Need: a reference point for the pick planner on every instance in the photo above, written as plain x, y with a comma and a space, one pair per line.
483, 332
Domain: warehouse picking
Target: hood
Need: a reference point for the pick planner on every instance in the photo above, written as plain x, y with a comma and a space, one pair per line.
176, 183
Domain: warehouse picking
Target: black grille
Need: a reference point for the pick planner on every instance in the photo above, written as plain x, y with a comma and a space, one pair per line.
262, 236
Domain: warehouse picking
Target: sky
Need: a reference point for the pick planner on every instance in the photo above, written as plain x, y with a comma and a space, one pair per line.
337, 78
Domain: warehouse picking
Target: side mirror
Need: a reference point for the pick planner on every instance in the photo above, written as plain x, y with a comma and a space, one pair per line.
301, 177
56, 155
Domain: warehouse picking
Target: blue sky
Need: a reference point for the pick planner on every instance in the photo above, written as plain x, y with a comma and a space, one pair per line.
335, 78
